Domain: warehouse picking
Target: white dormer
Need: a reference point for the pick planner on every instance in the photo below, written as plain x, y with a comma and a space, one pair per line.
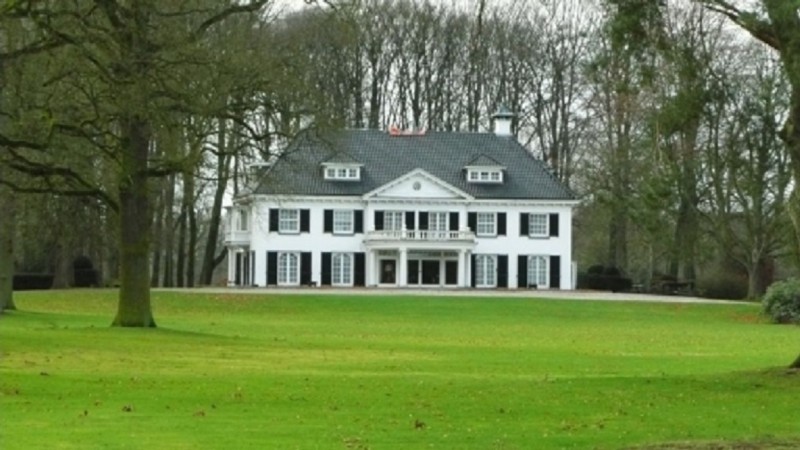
341, 171
503, 119
484, 169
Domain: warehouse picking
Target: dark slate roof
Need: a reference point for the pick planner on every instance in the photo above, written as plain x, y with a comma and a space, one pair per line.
385, 158
485, 161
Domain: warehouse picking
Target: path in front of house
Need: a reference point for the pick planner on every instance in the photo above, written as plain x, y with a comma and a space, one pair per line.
441, 292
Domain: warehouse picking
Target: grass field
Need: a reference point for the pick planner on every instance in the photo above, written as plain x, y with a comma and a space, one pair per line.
336, 372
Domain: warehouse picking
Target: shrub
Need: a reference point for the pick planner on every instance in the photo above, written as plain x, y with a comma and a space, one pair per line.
604, 279
782, 301
723, 284
31, 281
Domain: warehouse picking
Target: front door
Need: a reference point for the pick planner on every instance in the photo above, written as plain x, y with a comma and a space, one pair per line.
388, 271
430, 272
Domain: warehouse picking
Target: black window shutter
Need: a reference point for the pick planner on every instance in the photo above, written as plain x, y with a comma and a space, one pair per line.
327, 225
523, 224
410, 220
273, 219
472, 221
305, 268
501, 224
358, 221
252, 268
359, 267
453, 221
325, 279
522, 271
554, 225
472, 270
272, 267
305, 220
423, 220
502, 271
237, 277
378, 220
555, 272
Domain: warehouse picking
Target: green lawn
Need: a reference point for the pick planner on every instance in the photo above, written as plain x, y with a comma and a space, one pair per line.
320, 372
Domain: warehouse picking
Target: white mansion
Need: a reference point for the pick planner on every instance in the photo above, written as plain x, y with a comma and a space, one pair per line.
376, 208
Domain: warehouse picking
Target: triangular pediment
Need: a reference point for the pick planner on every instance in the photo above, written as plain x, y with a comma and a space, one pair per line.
418, 184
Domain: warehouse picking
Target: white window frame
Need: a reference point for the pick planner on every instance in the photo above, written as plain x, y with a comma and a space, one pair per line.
342, 269
485, 175
343, 221
485, 271
540, 227
243, 220
438, 220
288, 224
482, 227
342, 173
393, 220
539, 271
288, 269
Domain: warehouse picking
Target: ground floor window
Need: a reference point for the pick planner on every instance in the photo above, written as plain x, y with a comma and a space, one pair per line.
485, 270
288, 269
342, 269
538, 273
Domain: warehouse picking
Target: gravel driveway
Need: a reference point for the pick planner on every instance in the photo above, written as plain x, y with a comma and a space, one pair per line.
554, 294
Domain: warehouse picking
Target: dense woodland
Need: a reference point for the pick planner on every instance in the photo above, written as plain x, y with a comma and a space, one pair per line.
671, 123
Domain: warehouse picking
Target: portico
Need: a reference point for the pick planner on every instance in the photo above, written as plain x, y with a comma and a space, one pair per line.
419, 258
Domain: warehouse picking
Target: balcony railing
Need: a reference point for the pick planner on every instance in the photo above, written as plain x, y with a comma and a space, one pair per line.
420, 235
237, 237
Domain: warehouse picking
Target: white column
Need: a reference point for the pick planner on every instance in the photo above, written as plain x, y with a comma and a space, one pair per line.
369, 279
467, 269
403, 268
231, 266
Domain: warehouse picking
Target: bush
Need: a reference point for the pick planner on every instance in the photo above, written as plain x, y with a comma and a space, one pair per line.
604, 279
31, 281
782, 301
723, 284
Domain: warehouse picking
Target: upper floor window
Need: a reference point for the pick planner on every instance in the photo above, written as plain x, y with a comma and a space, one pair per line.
538, 225
243, 220
437, 221
486, 224
289, 221
393, 220
485, 175
338, 172
342, 221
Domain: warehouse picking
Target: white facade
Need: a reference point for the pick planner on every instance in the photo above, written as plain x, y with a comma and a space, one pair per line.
402, 234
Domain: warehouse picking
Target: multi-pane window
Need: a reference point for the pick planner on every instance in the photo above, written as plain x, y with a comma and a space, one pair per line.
486, 224
538, 273
437, 221
538, 225
343, 173
342, 269
288, 269
393, 220
342, 221
485, 176
485, 270
289, 220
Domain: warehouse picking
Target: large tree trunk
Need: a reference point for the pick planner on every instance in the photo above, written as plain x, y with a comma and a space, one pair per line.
134, 225
7, 218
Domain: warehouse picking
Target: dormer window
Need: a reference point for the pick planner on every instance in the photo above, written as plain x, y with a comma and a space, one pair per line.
342, 172
485, 175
